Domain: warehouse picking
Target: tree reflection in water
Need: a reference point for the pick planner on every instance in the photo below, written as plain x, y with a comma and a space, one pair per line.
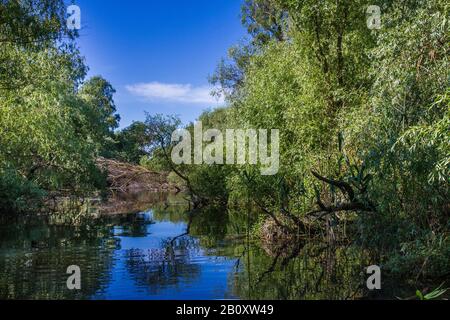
303, 270
156, 270
34, 257
169, 247
317, 272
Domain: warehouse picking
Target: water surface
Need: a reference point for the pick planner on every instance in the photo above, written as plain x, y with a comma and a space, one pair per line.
148, 255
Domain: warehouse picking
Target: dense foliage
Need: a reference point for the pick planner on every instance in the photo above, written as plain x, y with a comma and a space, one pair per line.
53, 123
364, 120
364, 125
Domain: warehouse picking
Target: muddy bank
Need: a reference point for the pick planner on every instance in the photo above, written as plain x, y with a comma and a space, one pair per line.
75, 209
130, 189
134, 202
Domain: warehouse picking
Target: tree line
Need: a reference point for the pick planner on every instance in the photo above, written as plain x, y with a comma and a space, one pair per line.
364, 127
363, 117
54, 122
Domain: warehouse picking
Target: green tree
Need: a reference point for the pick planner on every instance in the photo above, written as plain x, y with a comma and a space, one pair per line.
363, 116
131, 143
100, 111
47, 130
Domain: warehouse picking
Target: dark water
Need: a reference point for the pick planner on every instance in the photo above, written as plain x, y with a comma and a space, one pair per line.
147, 255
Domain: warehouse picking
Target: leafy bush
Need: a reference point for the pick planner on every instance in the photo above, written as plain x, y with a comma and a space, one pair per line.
18, 194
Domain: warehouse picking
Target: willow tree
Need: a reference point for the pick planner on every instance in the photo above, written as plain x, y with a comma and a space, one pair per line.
363, 117
47, 134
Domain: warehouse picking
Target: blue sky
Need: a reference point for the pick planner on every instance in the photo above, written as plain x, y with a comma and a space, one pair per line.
158, 54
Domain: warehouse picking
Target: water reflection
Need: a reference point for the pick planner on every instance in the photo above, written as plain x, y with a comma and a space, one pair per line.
317, 272
34, 257
167, 252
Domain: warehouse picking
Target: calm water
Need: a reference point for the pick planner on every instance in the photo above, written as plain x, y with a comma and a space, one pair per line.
147, 255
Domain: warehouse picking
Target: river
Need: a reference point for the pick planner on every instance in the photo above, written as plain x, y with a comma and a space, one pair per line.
147, 254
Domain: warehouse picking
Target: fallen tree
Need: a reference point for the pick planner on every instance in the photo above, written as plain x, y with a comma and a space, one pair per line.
125, 177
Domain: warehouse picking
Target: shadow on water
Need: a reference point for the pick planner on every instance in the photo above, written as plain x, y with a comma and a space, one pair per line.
161, 250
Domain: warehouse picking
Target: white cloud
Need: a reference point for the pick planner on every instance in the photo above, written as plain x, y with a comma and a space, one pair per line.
181, 93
